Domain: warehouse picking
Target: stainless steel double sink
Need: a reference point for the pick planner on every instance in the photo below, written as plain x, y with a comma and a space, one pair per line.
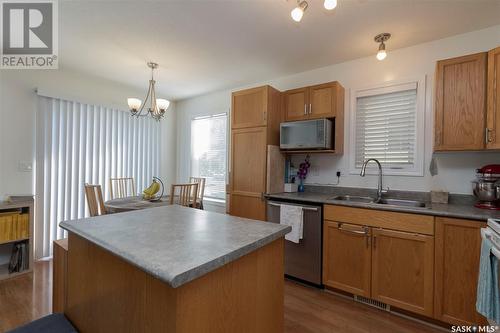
389, 202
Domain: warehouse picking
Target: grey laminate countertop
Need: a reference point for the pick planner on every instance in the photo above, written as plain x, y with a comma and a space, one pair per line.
174, 243
460, 206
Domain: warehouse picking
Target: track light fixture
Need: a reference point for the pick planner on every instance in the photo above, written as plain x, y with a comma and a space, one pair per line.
330, 4
382, 38
298, 12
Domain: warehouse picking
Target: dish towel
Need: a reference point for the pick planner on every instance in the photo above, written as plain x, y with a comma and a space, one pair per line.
292, 216
488, 297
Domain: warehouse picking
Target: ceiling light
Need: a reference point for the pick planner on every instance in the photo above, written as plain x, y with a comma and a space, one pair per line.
298, 11
381, 38
157, 107
330, 4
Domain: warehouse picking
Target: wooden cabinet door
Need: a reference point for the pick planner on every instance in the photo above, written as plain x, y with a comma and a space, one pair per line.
347, 257
325, 100
249, 108
248, 173
493, 103
460, 115
458, 247
296, 104
403, 270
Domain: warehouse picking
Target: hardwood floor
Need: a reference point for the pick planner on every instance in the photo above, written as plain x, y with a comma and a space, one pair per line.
307, 310
310, 310
27, 297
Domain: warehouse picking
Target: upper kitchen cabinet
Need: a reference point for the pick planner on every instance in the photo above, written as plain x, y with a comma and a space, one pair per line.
493, 112
320, 101
460, 109
296, 104
325, 100
249, 108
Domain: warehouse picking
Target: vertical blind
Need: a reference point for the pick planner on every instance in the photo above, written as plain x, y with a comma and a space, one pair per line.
80, 143
386, 126
209, 153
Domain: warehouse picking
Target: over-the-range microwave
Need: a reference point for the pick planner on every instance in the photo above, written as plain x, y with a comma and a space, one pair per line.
306, 134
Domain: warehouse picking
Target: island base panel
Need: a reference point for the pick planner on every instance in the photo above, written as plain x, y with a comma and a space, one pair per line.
107, 294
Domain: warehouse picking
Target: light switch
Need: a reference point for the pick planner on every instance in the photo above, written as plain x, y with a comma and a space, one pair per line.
25, 166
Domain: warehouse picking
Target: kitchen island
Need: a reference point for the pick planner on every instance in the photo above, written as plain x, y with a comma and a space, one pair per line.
174, 269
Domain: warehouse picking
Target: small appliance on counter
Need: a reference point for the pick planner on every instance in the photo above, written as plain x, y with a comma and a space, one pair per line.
290, 187
486, 187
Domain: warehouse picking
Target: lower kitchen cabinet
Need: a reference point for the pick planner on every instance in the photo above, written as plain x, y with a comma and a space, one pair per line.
347, 257
403, 270
458, 244
422, 264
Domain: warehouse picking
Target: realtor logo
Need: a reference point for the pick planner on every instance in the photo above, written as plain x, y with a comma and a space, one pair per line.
29, 34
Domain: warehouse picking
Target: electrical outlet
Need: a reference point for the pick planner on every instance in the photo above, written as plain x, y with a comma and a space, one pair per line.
25, 166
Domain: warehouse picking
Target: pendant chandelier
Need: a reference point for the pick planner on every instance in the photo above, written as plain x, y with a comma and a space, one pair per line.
157, 106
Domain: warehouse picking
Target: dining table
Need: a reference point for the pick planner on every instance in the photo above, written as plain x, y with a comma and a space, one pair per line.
127, 204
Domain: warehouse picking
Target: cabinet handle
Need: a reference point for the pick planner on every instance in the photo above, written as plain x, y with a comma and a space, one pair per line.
488, 136
352, 231
305, 108
310, 108
374, 242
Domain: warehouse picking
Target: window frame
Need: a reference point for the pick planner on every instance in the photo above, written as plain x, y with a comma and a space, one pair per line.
214, 200
417, 170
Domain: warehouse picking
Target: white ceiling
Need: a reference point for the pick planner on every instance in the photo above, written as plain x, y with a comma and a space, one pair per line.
207, 45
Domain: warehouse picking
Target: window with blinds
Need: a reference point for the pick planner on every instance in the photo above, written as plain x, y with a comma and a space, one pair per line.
80, 143
386, 127
209, 153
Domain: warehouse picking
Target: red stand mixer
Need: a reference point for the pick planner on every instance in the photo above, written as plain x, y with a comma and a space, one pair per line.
486, 187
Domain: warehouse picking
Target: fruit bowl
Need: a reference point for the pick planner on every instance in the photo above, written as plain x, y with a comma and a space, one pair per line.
151, 193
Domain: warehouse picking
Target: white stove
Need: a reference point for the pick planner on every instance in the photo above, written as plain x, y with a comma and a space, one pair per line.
492, 232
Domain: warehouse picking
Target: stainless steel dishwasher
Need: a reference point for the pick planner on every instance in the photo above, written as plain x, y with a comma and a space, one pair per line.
303, 260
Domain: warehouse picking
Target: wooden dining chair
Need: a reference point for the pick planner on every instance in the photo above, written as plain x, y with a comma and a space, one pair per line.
122, 187
186, 194
201, 189
95, 200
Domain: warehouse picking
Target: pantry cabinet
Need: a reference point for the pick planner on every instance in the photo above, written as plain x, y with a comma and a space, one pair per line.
255, 118
249, 108
458, 244
460, 103
403, 270
347, 257
493, 100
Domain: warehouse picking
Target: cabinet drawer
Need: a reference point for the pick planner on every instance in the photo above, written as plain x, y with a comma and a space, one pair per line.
422, 224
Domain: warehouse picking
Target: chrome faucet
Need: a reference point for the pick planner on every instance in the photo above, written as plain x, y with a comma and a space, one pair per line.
379, 189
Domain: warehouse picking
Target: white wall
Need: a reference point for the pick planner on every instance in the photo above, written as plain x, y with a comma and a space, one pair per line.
18, 112
456, 170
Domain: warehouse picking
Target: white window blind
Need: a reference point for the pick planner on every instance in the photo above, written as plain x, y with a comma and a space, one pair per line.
80, 143
209, 153
386, 126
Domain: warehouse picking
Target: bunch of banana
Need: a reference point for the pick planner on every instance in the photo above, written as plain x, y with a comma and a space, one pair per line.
150, 192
